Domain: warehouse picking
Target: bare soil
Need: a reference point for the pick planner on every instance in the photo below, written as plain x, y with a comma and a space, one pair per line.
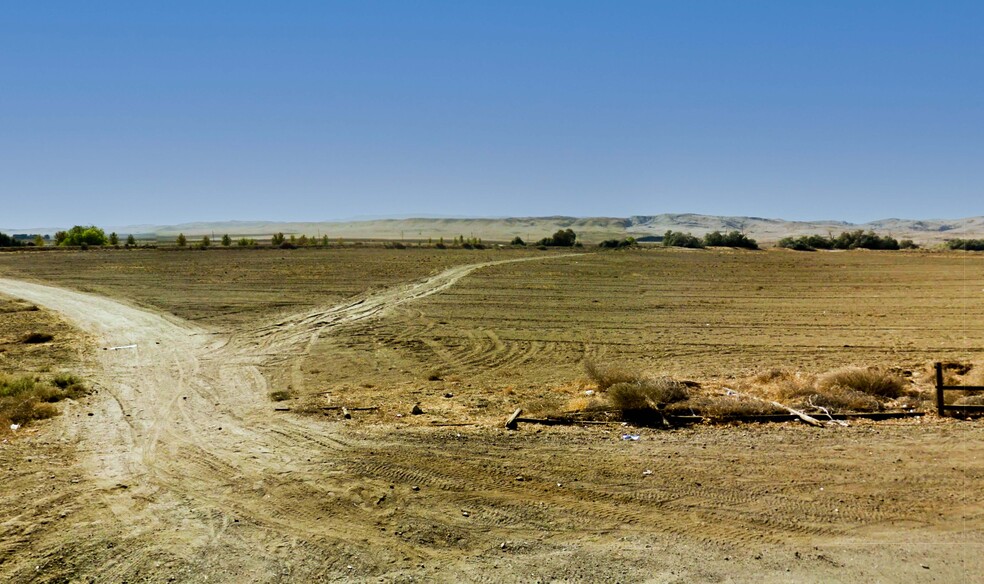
186, 471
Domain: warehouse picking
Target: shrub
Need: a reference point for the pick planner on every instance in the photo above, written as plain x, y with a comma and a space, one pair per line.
181, 240
114, 239
246, 242
908, 244
277, 240
869, 380
966, 244
226, 240
280, 395
562, 238
517, 241
12, 386
678, 239
130, 240
731, 239
647, 394
617, 243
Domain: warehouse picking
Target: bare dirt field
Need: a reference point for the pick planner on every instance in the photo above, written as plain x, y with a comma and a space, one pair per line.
181, 467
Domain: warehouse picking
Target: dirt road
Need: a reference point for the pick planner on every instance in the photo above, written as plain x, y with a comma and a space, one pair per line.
185, 473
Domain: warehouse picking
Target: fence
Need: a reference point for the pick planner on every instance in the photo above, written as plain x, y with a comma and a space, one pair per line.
941, 406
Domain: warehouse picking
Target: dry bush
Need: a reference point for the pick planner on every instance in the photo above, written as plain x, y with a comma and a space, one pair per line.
839, 399
723, 407
280, 395
646, 394
782, 384
608, 375
869, 380
586, 403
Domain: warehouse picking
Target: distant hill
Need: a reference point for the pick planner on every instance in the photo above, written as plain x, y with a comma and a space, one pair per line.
589, 229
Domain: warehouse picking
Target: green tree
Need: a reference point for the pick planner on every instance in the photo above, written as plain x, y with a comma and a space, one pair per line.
38, 241
130, 240
181, 240
114, 239
226, 240
277, 239
562, 238
205, 242
80, 235
8, 241
517, 241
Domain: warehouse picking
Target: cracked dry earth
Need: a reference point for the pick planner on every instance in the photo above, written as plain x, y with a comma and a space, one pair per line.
184, 472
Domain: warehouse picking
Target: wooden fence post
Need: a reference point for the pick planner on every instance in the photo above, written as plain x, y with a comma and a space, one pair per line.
939, 389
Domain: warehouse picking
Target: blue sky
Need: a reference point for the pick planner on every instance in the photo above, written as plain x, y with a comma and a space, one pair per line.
139, 112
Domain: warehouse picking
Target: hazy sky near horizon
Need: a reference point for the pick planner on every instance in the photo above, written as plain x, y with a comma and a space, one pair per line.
135, 112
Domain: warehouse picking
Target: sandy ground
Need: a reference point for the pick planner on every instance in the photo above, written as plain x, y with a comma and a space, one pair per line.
180, 469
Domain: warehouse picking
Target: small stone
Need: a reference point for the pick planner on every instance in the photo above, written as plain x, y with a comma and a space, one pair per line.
416, 411
415, 488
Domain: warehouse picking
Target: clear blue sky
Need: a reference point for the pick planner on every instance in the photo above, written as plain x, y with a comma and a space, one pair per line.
141, 112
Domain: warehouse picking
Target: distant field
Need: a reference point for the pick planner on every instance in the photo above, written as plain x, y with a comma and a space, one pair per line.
232, 286
693, 314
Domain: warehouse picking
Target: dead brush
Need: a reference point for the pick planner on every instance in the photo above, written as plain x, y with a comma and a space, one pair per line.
839, 399
646, 394
722, 408
780, 384
584, 403
873, 381
605, 376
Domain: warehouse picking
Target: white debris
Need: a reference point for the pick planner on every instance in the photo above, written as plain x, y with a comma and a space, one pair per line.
15, 427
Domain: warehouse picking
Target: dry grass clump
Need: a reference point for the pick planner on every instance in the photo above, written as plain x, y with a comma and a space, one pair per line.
838, 399
646, 394
606, 376
37, 338
25, 399
723, 407
586, 403
868, 380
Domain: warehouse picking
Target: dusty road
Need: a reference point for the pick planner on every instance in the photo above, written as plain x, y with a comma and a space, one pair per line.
183, 472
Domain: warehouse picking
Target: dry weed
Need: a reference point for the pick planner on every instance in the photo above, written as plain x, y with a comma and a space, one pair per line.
647, 394
608, 375
870, 380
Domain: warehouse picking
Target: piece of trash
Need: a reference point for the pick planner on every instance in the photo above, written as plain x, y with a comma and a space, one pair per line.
589, 392
630, 436
730, 391
465, 513
647, 472
122, 347
15, 427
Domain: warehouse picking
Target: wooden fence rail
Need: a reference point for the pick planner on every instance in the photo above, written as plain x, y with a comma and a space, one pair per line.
941, 406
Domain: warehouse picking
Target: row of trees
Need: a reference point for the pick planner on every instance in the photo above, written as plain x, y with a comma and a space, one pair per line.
78, 236
713, 239
847, 240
